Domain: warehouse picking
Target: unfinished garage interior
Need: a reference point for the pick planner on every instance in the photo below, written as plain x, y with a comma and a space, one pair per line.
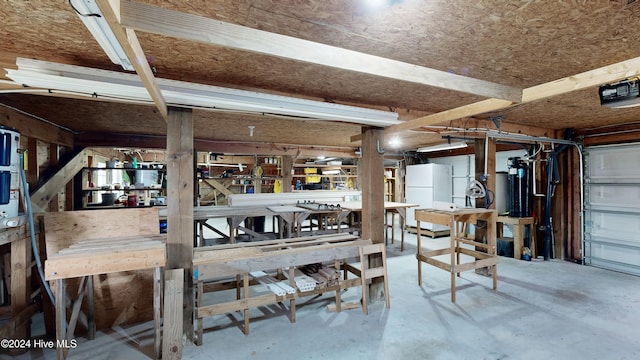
259, 179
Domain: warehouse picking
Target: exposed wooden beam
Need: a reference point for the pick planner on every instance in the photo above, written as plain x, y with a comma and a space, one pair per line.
129, 41
33, 127
223, 147
452, 114
612, 138
157, 20
595, 77
42, 195
297, 151
473, 126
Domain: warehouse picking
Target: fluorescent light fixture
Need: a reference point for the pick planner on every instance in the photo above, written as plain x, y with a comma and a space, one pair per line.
112, 85
624, 94
443, 147
90, 14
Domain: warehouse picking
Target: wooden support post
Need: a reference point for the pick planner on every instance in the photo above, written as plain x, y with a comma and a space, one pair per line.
339, 291
32, 170
48, 307
574, 243
485, 156
173, 322
287, 167
180, 225
372, 221
292, 302
21, 282
199, 303
68, 195
491, 169
245, 286
157, 315
53, 162
91, 314
372, 185
61, 316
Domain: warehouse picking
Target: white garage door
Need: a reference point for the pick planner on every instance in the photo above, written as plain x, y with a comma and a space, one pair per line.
612, 207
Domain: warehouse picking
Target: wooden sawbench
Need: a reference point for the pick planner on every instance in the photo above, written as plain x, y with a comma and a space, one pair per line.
81, 244
222, 262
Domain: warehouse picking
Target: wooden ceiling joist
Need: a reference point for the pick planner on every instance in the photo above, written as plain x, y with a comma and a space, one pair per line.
101, 139
480, 107
157, 20
602, 75
129, 42
595, 77
34, 127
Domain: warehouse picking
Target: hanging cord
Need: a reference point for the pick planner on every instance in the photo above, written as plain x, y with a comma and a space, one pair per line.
34, 244
489, 198
81, 14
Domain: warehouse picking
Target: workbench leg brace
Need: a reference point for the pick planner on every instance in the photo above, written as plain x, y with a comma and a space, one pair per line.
64, 331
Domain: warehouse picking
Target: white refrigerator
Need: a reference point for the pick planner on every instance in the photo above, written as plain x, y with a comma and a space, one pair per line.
424, 184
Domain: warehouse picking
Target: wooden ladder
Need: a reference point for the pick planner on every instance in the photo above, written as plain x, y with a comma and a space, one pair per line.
367, 273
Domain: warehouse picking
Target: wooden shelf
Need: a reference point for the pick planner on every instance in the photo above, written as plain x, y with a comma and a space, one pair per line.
123, 190
325, 166
105, 168
326, 175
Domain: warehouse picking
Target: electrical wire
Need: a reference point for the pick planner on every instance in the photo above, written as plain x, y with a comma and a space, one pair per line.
540, 148
81, 14
489, 198
34, 244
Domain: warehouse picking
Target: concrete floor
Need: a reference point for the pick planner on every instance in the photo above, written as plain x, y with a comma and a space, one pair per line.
541, 310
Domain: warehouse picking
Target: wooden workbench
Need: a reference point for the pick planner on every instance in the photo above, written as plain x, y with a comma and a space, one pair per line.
389, 207
291, 216
81, 244
454, 266
518, 233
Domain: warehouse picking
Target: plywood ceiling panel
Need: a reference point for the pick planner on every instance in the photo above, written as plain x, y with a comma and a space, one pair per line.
519, 43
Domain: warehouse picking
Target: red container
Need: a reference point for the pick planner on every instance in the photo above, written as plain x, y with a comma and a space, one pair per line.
132, 200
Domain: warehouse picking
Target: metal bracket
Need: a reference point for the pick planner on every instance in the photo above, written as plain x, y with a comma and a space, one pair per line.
497, 120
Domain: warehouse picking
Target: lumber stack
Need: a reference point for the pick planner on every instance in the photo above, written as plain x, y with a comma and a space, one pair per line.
323, 275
